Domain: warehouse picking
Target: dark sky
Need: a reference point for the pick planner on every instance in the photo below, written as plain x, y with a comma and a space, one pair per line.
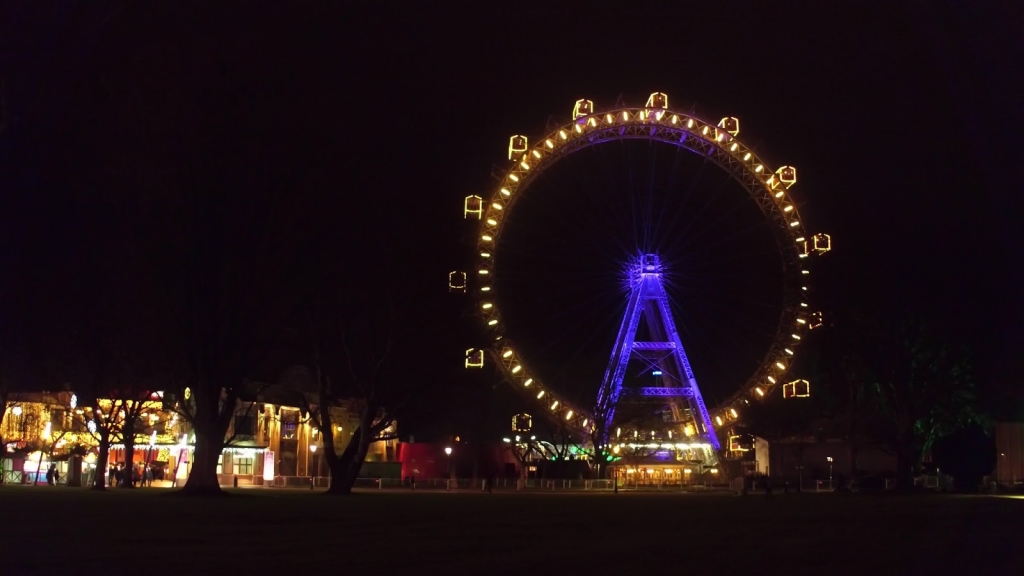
904, 120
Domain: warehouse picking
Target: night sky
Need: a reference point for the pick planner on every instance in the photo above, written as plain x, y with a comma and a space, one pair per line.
903, 119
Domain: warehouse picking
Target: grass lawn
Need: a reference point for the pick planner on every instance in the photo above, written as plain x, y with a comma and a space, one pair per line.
50, 530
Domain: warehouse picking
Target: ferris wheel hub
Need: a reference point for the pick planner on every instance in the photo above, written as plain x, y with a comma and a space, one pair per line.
650, 264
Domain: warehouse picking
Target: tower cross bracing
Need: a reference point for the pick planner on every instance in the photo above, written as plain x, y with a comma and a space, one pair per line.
662, 350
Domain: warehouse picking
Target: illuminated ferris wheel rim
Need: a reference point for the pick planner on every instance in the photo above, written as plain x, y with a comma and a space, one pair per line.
716, 142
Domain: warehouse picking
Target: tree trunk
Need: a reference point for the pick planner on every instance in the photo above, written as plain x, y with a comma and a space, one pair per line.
905, 468
203, 480
345, 468
853, 460
356, 463
129, 456
99, 482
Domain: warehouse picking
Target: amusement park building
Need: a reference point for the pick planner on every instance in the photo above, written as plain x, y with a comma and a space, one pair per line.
797, 457
1009, 453
270, 437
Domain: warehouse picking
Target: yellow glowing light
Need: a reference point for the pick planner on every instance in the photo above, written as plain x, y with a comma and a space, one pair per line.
474, 358
516, 145
549, 143
608, 118
732, 412
718, 420
488, 306
800, 239
536, 153
528, 382
485, 254
733, 147
780, 194
492, 222
625, 115
758, 168
576, 128
771, 379
801, 321
484, 271
822, 243
473, 205
746, 156
788, 208
497, 206
492, 322
615, 449
816, 320
704, 130
524, 165
780, 365
540, 395
513, 177
759, 390
795, 336
583, 107
689, 123
506, 354
591, 122
788, 351
516, 369
674, 119
456, 280
794, 223
554, 405
485, 288
486, 238
787, 174
650, 470
730, 124
796, 389
563, 134
618, 432
585, 421
568, 415
688, 430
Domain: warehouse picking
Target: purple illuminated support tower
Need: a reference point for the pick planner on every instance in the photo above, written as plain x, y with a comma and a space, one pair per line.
663, 350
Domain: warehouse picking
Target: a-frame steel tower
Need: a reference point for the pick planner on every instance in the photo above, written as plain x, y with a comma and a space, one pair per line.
661, 350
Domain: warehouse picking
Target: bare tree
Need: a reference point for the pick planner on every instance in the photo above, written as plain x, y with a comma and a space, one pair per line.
355, 366
526, 449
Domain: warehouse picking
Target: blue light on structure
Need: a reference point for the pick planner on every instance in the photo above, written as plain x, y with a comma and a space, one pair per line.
647, 299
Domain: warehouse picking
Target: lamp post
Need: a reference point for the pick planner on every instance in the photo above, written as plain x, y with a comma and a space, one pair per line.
312, 478
448, 476
829, 472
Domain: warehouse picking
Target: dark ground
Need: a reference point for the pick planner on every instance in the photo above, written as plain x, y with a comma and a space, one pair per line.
45, 530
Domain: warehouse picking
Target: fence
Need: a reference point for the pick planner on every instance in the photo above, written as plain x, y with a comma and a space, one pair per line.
499, 484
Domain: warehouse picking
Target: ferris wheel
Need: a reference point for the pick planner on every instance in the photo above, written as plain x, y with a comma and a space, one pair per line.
648, 332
